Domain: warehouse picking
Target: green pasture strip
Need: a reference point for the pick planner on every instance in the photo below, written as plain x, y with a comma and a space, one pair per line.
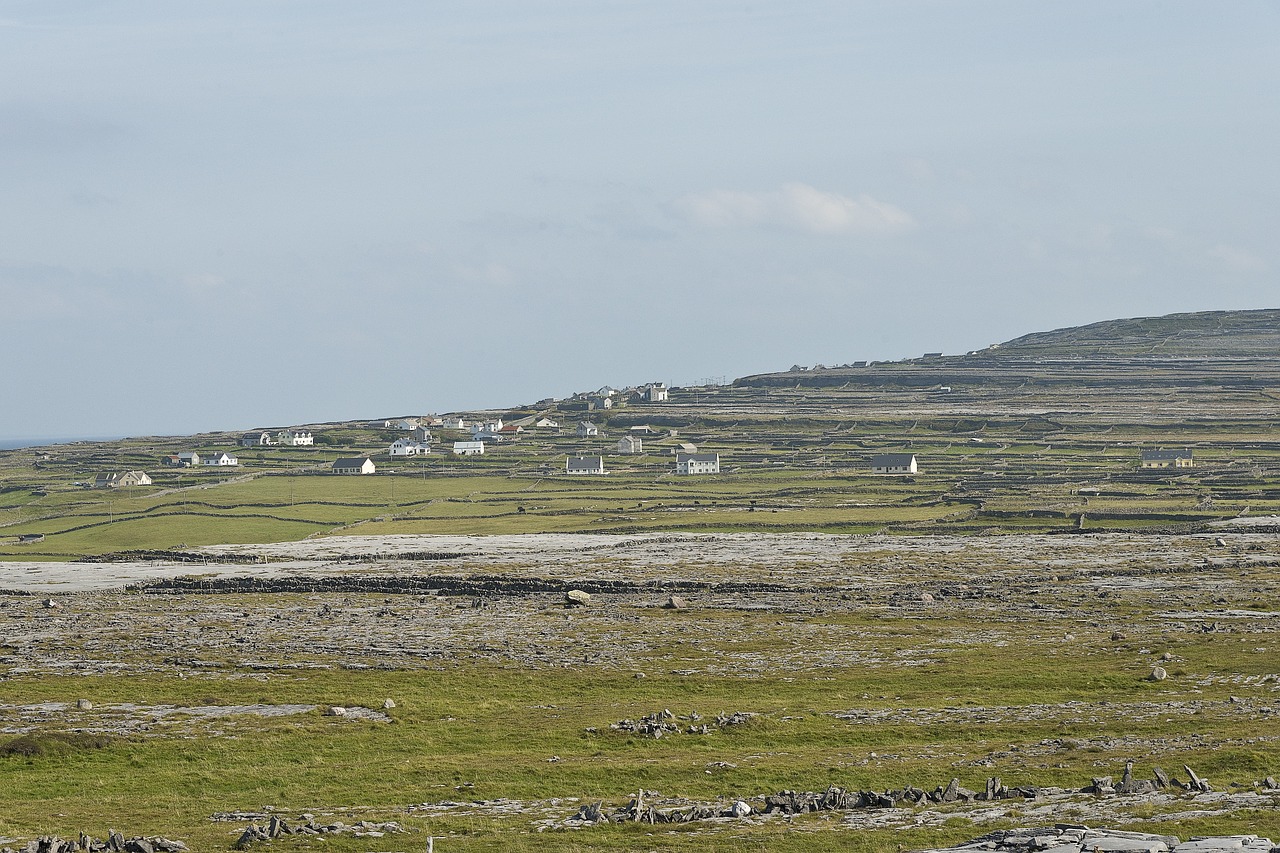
492, 730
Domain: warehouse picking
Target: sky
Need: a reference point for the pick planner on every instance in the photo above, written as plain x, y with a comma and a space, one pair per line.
239, 214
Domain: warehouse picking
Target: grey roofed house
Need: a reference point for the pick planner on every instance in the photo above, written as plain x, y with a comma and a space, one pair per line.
697, 463
116, 480
587, 428
355, 465
584, 465
894, 463
1182, 458
697, 457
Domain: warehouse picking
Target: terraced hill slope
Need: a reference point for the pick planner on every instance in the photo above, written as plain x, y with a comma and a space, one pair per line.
1230, 349
1205, 334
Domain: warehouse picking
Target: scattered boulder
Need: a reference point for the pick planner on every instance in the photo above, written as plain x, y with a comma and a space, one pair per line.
1197, 784
84, 704
1158, 673
388, 704
675, 602
577, 598
335, 711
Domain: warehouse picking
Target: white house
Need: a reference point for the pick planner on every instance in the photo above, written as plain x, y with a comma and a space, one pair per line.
255, 439
546, 423
453, 423
359, 465
406, 424
468, 448
493, 427
1168, 458
697, 463
409, 447
185, 459
115, 481
894, 463
586, 429
219, 459
655, 392
584, 465
630, 444
295, 438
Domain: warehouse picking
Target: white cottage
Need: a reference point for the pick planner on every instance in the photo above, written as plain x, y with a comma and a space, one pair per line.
219, 459
117, 480
409, 447
655, 392
894, 463
468, 448
697, 463
295, 438
584, 465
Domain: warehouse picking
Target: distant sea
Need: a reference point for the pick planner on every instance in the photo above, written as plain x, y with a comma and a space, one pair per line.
15, 443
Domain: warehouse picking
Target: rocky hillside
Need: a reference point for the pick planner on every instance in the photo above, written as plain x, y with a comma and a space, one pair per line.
1237, 349
1243, 334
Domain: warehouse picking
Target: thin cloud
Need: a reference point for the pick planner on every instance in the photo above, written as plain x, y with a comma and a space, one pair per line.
798, 207
1237, 259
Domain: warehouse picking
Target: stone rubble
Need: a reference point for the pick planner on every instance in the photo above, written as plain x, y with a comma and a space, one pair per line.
1065, 838
835, 798
276, 827
115, 842
662, 723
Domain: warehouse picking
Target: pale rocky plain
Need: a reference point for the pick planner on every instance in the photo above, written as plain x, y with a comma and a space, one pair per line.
566, 601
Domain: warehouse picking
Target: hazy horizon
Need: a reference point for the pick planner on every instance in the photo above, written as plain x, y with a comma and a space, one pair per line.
224, 216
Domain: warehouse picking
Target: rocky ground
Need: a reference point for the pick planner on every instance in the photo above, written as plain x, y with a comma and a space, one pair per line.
748, 605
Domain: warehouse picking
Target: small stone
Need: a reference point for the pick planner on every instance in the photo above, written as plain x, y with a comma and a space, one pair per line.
50, 604
1166, 657
577, 598
1117, 636
740, 808
388, 704
335, 711
638, 675
675, 602
1158, 674
927, 598
84, 704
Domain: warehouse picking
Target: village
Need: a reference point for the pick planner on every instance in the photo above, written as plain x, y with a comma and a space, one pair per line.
555, 423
